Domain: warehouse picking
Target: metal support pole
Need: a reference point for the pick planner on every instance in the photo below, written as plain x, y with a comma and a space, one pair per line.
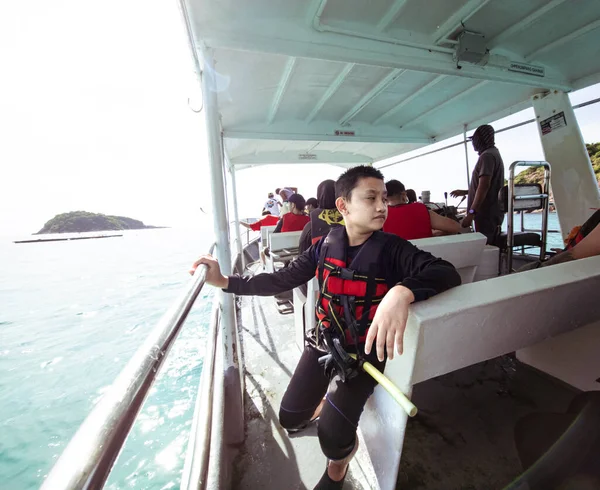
545, 190
510, 228
465, 141
236, 216
234, 412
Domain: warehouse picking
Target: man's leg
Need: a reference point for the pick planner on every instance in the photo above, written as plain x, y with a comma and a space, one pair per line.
490, 227
339, 418
305, 391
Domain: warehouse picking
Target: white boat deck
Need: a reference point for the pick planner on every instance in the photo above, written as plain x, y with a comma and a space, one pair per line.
463, 436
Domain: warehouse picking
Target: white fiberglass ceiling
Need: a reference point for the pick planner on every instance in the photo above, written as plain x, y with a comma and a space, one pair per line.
352, 81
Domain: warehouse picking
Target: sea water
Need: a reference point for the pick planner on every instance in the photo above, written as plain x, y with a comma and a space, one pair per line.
71, 315
533, 221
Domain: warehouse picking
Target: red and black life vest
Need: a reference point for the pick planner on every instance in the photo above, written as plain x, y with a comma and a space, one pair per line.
349, 293
580, 232
409, 221
323, 220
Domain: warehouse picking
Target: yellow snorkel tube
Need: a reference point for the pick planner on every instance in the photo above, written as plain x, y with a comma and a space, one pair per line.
408, 406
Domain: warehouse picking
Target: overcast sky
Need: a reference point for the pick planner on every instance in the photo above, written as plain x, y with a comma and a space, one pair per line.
94, 116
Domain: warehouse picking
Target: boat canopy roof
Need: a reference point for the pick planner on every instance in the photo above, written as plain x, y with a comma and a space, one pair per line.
355, 81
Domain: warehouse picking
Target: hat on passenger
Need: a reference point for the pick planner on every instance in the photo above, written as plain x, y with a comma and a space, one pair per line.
298, 200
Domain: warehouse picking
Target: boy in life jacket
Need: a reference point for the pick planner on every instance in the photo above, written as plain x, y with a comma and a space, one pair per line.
368, 280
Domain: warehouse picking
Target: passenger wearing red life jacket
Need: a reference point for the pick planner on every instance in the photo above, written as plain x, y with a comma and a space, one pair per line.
368, 280
413, 221
267, 219
295, 220
409, 221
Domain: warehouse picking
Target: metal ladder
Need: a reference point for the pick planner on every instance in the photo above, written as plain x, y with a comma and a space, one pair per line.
524, 202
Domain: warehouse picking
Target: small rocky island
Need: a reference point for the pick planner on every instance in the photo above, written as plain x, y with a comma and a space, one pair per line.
83, 221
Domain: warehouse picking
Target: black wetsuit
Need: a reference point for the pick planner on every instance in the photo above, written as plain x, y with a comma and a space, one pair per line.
417, 270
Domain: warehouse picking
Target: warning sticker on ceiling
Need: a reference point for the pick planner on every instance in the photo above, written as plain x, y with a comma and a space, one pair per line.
553, 123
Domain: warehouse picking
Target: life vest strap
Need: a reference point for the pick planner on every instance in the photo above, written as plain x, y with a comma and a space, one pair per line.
338, 271
346, 274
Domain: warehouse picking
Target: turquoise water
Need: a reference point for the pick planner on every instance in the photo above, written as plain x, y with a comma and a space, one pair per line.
72, 315
533, 221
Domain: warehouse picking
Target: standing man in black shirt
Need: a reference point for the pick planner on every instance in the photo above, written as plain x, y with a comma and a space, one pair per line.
487, 180
368, 279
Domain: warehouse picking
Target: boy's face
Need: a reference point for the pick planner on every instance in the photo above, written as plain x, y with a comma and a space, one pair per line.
366, 209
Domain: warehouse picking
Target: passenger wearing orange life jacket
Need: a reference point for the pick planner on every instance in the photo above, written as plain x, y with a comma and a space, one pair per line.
582, 242
415, 220
368, 280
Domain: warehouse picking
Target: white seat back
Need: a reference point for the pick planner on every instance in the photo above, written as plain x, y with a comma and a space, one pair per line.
476, 322
279, 241
462, 251
488, 266
265, 231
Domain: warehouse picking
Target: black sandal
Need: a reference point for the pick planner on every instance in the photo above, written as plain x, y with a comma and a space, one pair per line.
326, 483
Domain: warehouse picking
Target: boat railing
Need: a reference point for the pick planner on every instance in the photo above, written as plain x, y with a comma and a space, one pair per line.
246, 234
195, 472
513, 199
241, 237
89, 457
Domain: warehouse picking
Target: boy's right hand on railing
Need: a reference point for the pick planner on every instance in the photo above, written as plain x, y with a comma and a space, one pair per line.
213, 273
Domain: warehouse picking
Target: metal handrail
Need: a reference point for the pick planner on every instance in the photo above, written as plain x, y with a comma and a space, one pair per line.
246, 234
195, 470
530, 196
88, 458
